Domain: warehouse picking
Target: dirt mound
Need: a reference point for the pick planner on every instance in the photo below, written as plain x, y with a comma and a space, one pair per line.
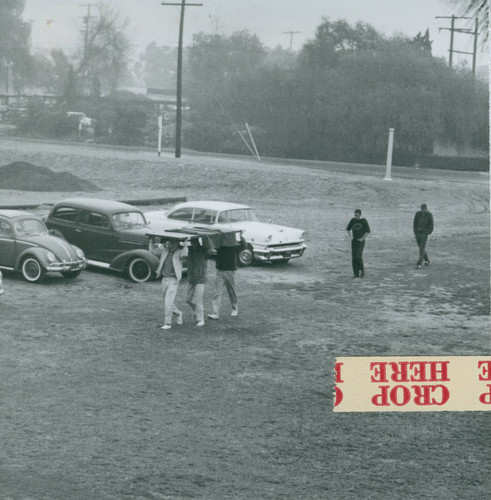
27, 177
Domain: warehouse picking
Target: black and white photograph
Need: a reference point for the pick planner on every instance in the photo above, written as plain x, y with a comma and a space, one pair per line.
204, 204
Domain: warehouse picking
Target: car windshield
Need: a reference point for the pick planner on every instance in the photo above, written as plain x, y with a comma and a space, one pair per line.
30, 227
128, 220
237, 215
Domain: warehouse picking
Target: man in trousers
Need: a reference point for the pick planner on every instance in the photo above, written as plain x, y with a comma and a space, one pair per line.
422, 228
197, 271
226, 264
170, 268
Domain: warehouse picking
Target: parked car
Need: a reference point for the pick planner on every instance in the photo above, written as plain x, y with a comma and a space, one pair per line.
113, 235
266, 242
26, 246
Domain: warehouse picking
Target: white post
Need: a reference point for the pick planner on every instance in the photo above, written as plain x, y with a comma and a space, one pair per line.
159, 146
390, 147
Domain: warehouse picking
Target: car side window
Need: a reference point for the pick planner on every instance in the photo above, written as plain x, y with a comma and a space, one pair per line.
182, 214
203, 216
67, 214
6, 230
94, 219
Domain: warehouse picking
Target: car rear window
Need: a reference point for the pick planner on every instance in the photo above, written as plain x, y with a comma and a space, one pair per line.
94, 219
182, 214
65, 213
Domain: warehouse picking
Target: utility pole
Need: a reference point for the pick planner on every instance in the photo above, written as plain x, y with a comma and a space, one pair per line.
453, 30
183, 6
87, 19
291, 33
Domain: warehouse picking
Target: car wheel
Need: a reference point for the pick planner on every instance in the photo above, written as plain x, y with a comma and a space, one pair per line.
139, 271
246, 257
71, 274
32, 270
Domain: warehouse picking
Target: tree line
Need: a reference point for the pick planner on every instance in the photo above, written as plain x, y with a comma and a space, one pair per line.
333, 100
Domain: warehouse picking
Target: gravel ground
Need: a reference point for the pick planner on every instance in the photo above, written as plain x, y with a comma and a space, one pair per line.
98, 403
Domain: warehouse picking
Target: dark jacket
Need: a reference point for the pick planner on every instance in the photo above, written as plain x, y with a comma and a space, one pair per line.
423, 223
197, 265
228, 257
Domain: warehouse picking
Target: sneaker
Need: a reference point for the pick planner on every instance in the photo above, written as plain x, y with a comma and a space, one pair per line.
427, 262
179, 318
200, 323
165, 327
213, 316
362, 274
355, 276
234, 312
418, 266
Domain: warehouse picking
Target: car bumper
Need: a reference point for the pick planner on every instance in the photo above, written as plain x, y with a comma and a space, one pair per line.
270, 254
67, 266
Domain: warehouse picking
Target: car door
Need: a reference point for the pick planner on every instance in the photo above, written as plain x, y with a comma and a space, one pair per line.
64, 221
97, 238
7, 245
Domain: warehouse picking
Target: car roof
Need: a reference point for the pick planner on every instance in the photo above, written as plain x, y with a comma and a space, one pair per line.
211, 205
107, 206
13, 214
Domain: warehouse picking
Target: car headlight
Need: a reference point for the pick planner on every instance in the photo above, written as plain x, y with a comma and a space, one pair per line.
51, 257
79, 253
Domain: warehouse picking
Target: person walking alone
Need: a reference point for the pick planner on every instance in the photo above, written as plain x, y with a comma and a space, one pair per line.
358, 229
422, 227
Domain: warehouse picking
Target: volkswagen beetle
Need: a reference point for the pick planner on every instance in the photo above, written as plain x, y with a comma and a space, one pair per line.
26, 246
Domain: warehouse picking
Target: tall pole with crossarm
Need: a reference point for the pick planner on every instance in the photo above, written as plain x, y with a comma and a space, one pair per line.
183, 6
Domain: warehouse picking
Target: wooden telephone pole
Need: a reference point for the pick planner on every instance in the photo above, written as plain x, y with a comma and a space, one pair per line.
183, 6
453, 30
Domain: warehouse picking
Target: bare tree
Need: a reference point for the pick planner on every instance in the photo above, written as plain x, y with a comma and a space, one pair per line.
104, 55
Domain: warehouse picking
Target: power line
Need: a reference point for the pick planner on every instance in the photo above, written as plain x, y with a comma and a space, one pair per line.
466, 31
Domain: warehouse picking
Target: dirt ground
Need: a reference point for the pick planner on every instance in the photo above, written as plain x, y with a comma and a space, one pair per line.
97, 402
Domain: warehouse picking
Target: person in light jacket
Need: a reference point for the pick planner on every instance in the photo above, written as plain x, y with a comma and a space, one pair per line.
170, 268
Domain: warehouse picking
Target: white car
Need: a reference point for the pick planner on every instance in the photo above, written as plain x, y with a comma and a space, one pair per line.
265, 242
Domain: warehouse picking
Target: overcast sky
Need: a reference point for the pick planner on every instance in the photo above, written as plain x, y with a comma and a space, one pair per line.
57, 23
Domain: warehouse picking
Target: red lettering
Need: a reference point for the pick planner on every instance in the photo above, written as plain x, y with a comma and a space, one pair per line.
419, 371
421, 395
439, 368
382, 398
338, 396
337, 369
379, 370
445, 395
406, 395
399, 371
485, 397
486, 370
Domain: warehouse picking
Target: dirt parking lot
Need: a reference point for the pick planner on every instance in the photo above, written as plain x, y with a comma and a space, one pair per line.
97, 402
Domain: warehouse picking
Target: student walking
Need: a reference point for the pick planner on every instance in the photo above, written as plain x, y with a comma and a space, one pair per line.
197, 273
226, 265
358, 229
422, 228
170, 268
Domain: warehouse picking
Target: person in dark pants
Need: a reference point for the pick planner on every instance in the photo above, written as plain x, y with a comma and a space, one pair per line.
226, 264
422, 227
197, 275
358, 229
